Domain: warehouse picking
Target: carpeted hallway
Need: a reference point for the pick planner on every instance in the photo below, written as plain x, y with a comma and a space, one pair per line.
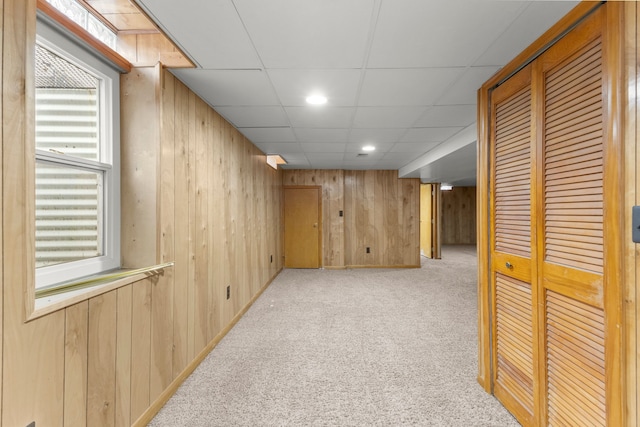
365, 347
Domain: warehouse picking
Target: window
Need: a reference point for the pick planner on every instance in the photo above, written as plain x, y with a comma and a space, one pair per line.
77, 160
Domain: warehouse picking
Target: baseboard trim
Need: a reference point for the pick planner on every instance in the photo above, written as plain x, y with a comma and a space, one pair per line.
155, 407
383, 266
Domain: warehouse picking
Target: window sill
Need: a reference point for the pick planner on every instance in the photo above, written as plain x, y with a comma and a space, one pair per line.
100, 284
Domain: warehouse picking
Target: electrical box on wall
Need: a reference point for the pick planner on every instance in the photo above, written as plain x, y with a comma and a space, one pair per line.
635, 224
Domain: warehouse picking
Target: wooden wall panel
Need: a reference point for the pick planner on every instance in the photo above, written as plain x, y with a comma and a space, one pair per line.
459, 216
140, 348
380, 211
101, 368
179, 142
139, 165
123, 357
195, 192
76, 346
33, 353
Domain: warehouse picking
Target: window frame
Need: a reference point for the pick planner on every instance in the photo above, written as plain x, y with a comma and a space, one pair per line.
65, 44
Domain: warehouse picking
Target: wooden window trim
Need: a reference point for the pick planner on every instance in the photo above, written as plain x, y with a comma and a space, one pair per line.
53, 13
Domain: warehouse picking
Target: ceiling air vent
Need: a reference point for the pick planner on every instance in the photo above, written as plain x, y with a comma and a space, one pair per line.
362, 154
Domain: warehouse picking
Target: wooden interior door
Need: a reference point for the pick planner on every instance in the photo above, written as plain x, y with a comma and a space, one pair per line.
513, 289
555, 233
571, 249
436, 216
426, 220
302, 227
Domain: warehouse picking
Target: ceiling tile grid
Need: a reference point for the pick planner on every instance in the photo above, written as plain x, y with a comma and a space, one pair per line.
401, 75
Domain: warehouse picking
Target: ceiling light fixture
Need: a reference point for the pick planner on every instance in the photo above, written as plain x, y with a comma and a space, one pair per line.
316, 99
446, 187
368, 148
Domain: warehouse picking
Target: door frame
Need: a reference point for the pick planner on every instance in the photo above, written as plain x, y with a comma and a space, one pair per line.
320, 216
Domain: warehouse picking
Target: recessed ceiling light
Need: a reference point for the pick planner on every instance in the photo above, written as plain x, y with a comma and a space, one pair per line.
316, 99
368, 148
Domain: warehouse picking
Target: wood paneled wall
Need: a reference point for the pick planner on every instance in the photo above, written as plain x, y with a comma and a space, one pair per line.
459, 216
194, 191
381, 212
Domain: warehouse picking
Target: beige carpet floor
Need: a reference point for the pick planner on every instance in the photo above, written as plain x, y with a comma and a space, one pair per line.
363, 347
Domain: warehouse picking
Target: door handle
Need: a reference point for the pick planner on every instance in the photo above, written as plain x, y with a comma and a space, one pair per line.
509, 265
315, 225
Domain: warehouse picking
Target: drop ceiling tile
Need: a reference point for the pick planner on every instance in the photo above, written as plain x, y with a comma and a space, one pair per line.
295, 160
325, 157
308, 135
531, 24
360, 164
293, 86
437, 33
270, 116
387, 117
260, 135
214, 36
413, 147
386, 164
324, 147
430, 134
448, 115
403, 158
465, 89
320, 116
406, 87
375, 136
282, 148
229, 88
308, 34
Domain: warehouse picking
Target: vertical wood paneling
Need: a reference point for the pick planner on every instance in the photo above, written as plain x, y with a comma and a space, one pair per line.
380, 212
201, 219
161, 366
167, 227
75, 365
217, 227
139, 164
181, 225
101, 369
106, 360
33, 353
140, 348
123, 356
192, 225
459, 216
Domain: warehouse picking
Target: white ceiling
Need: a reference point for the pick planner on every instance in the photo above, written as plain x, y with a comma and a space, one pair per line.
401, 75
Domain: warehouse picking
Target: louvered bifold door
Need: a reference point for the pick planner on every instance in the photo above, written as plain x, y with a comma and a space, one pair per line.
571, 248
513, 296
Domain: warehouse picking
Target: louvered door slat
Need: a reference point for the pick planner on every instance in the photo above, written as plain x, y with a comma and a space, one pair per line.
512, 172
566, 166
515, 338
575, 337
